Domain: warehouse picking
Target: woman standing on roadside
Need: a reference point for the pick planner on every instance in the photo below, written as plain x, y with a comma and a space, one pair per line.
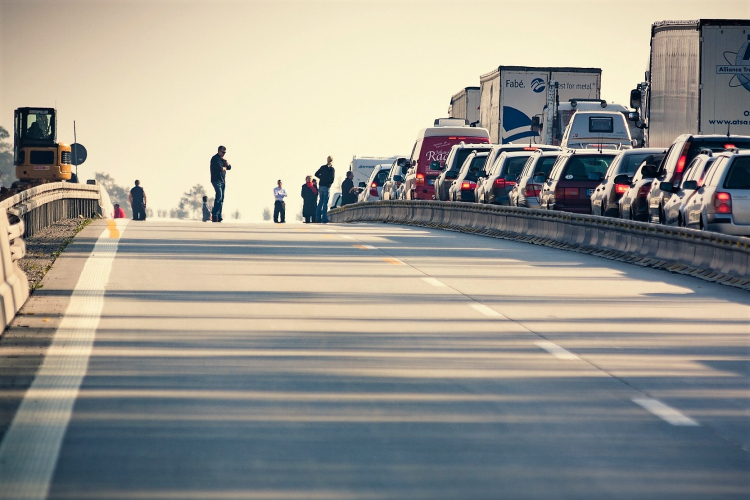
310, 199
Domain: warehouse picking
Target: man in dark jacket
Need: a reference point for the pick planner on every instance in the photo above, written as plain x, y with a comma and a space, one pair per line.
219, 167
137, 198
326, 174
348, 191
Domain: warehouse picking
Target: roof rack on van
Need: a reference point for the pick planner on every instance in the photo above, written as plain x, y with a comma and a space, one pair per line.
451, 122
574, 102
706, 151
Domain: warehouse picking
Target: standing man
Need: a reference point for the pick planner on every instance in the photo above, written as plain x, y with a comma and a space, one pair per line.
326, 175
219, 167
348, 191
137, 199
279, 208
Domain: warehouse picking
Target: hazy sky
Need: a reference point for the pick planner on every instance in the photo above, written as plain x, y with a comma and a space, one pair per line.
156, 86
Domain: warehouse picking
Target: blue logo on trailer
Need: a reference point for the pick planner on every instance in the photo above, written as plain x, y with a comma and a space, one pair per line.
740, 68
513, 120
537, 85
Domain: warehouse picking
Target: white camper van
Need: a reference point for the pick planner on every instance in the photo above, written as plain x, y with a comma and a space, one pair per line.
597, 130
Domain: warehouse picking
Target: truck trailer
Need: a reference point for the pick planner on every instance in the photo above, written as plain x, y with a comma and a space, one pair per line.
697, 82
465, 104
512, 95
362, 166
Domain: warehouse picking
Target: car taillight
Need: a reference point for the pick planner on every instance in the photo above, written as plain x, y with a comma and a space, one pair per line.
420, 180
502, 183
723, 203
681, 163
621, 188
466, 186
374, 189
571, 192
566, 193
644, 190
531, 190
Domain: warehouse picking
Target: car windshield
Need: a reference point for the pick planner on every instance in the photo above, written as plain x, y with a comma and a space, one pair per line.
739, 174
461, 156
544, 165
630, 163
380, 177
580, 167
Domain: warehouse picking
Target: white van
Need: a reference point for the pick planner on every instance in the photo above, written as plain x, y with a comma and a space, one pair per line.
597, 130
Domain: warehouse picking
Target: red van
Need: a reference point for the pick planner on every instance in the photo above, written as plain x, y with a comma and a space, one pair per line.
430, 152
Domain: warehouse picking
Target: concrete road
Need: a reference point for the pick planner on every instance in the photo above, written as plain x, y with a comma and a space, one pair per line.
371, 362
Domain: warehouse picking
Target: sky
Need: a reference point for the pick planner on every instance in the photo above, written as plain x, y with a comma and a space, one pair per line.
156, 86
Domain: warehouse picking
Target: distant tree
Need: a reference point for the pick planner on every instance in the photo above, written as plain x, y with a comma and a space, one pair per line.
192, 202
149, 213
236, 215
117, 194
266, 213
178, 213
7, 169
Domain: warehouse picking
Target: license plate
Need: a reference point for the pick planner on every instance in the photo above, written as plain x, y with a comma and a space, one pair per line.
431, 182
589, 192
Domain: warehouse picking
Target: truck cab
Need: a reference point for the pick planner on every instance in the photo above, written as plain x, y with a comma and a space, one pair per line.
36, 153
597, 130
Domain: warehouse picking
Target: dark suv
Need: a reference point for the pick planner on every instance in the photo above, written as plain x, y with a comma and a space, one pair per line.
573, 180
679, 155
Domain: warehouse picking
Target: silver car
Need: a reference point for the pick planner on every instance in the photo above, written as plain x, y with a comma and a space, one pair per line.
722, 203
674, 208
526, 193
374, 187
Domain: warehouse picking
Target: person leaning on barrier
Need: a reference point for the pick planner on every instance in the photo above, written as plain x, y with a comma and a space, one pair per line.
137, 198
348, 191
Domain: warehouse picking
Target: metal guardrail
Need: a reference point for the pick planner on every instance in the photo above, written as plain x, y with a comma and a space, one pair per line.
26, 213
711, 256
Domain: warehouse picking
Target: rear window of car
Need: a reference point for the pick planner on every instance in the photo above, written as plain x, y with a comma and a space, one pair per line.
380, 177
544, 165
739, 174
629, 163
580, 167
475, 167
460, 157
514, 166
716, 145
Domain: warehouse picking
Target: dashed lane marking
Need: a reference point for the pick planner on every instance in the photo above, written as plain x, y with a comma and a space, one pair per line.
556, 350
392, 260
665, 412
365, 247
433, 281
486, 310
31, 446
347, 237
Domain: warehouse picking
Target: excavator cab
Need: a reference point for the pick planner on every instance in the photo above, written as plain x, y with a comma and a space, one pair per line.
37, 154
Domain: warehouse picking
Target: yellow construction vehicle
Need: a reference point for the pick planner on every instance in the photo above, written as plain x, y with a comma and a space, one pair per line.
37, 154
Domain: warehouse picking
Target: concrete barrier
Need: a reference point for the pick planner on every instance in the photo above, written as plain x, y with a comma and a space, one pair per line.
26, 213
711, 256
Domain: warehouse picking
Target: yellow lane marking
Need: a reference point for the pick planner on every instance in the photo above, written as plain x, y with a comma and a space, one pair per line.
391, 260
328, 236
113, 231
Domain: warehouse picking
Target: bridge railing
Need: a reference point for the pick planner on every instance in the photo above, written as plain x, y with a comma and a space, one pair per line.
26, 213
711, 256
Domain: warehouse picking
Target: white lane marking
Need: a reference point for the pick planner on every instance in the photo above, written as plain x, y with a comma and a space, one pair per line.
433, 281
347, 237
555, 350
366, 247
30, 448
330, 230
485, 310
665, 412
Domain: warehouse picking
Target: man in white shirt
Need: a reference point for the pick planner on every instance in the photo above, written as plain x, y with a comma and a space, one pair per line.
279, 208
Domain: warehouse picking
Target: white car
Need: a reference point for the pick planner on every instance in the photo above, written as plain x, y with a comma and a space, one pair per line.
373, 190
597, 130
722, 203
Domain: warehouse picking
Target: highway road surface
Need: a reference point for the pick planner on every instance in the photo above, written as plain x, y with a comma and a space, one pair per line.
168, 360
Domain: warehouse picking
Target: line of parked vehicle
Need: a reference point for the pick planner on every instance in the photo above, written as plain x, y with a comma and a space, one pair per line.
700, 181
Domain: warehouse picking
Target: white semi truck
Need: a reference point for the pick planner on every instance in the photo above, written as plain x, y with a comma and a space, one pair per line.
512, 95
465, 104
697, 82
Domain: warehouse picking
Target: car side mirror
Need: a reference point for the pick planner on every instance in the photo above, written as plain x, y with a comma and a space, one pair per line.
667, 187
362, 184
622, 179
596, 176
691, 185
435, 165
398, 178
